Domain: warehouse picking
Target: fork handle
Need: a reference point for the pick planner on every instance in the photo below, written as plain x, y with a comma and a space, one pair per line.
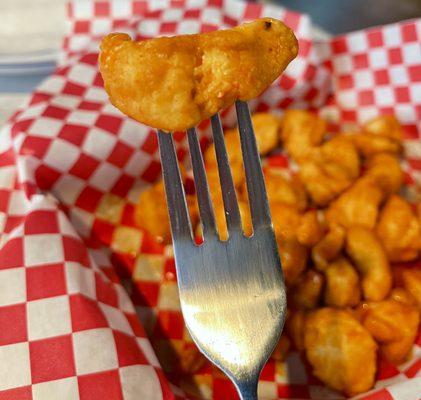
247, 390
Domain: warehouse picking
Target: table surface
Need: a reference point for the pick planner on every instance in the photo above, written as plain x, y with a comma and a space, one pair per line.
37, 27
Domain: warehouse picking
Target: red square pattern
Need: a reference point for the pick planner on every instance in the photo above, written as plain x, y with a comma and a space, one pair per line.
105, 291
145, 294
89, 198
123, 185
102, 9
152, 172
103, 231
135, 324
51, 359
375, 39
170, 324
73, 133
11, 254
55, 112
46, 177
4, 200
21, 393
85, 314
104, 386
84, 167
120, 154
150, 144
35, 146
13, 324
409, 33
41, 221
75, 250
381, 394
109, 123
45, 281
129, 353
74, 89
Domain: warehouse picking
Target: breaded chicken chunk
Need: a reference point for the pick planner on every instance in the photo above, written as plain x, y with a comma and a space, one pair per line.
340, 350
399, 230
173, 83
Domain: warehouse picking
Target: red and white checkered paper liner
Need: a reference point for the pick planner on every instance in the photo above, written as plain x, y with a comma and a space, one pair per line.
72, 166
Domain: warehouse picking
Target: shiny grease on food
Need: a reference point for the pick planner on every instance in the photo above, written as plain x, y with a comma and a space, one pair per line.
173, 83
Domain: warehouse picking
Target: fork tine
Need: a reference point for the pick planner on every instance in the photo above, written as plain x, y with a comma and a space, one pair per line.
259, 207
232, 212
202, 189
174, 190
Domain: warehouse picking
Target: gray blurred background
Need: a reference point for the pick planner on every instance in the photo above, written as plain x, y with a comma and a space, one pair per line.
339, 16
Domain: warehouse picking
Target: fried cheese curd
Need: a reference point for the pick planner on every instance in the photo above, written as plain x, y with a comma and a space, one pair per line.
301, 131
380, 135
346, 298
327, 170
393, 324
173, 83
358, 205
409, 279
340, 350
399, 230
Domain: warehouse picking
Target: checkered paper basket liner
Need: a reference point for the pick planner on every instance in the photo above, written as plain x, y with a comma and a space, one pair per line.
77, 277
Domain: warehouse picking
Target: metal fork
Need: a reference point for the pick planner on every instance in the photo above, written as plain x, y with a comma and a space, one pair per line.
232, 292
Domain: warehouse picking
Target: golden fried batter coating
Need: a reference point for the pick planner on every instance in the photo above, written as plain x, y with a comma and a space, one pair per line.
385, 126
386, 172
410, 279
329, 247
284, 190
381, 135
369, 257
287, 223
358, 205
307, 292
151, 212
294, 325
394, 325
266, 130
301, 130
340, 350
342, 284
399, 230
329, 169
401, 295
293, 258
173, 83
310, 231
